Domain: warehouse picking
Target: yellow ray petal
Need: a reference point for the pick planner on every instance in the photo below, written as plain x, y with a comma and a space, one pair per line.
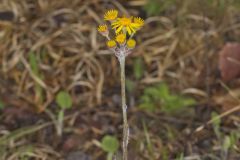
119, 29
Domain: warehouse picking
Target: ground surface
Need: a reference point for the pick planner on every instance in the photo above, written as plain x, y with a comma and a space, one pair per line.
51, 46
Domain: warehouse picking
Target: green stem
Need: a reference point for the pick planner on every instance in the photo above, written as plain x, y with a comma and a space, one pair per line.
109, 156
124, 108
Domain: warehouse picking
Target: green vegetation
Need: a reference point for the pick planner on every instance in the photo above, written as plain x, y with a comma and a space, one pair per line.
2, 105
225, 141
155, 7
138, 71
180, 157
159, 96
64, 101
148, 141
138, 68
33, 60
110, 145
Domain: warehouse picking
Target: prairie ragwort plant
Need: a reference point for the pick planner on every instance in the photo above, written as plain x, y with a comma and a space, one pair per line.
122, 44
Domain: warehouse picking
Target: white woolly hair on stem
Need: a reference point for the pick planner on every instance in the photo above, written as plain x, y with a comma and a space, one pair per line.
121, 59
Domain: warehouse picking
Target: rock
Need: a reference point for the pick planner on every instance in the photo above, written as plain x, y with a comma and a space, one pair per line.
229, 61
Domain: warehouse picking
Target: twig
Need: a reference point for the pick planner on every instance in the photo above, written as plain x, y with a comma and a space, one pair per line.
234, 109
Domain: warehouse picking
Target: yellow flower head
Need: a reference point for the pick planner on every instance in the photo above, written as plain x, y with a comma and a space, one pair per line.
138, 21
102, 28
121, 38
125, 24
131, 43
124, 27
110, 15
111, 44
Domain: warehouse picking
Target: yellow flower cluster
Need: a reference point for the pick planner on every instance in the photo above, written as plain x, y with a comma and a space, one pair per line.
123, 27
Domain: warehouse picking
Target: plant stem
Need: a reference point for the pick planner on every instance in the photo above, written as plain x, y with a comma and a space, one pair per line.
124, 109
60, 122
109, 156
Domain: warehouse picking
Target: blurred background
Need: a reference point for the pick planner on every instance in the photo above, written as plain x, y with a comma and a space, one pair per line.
60, 88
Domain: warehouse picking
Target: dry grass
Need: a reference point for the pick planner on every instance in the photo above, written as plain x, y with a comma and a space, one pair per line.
64, 39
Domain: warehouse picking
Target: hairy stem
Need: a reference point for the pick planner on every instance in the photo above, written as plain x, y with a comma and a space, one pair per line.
124, 109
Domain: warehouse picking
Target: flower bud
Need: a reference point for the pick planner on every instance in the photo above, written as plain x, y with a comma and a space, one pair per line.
131, 43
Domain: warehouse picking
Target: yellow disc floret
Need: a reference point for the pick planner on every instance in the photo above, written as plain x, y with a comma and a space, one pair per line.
131, 43
111, 44
102, 28
125, 24
111, 15
138, 21
121, 38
